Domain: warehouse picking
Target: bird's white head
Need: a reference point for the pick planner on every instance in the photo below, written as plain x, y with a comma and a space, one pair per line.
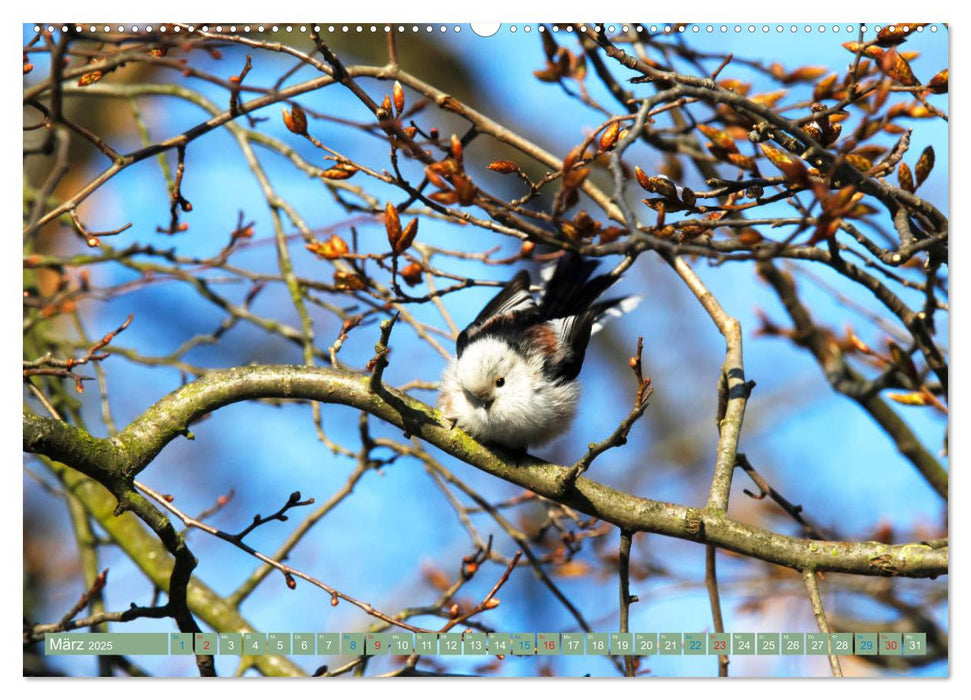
492, 376
502, 396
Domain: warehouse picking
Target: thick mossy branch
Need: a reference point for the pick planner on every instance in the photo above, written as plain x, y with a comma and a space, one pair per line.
119, 459
148, 553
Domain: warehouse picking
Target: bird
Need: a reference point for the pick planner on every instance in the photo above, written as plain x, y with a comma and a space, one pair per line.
514, 380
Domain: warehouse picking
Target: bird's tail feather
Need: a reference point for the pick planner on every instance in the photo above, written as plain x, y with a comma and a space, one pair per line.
613, 308
570, 289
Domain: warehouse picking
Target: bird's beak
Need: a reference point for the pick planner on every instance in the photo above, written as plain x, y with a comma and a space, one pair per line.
479, 398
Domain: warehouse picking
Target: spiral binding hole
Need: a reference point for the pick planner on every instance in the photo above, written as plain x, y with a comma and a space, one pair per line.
444, 28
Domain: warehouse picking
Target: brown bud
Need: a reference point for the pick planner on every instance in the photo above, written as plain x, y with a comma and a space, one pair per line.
550, 74
805, 74
392, 224
860, 162
858, 344
341, 171
937, 84
456, 148
749, 236
896, 33
411, 274
296, 121
434, 176
399, 97
90, 78
897, 67
407, 237
792, 167
611, 233
914, 398
527, 249
453, 612
924, 165
824, 88
504, 166
465, 189
446, 197
664, 187
688, 197
331, 249
492, 603
905, 177
769, 99
720, 138
642, 178
348, 281
736, 86
608, 139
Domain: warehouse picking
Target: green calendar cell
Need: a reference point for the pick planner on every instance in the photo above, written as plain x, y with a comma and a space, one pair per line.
205, 643
793, 643
890, 644
230, 643
303, 643
500, 643
180, 643
426, 643
743, 643
523, 643
377, 643
695, 644
278, 643
645, 643
352, 643
475, 643
915, 643
768, 643
450, 643
328, 643
817, 643
669, 643
719, 643
841, 643
598, 643
548, 643
402, 643
571, 643
622, 643
865, 643
254, 643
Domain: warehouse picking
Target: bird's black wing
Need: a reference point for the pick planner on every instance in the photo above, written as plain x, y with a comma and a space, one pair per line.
574, 332
571, 290
514, 299
570, 305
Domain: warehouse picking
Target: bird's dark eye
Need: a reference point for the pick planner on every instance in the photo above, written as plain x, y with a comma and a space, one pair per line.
500, 381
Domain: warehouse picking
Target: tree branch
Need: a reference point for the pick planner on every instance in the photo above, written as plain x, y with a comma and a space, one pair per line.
118, 460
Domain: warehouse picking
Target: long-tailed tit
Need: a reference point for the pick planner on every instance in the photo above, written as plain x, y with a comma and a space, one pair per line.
514, 380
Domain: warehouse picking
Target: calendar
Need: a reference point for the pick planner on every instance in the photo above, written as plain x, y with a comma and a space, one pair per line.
533, 348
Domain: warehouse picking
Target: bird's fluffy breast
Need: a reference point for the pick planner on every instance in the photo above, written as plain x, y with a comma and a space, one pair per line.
529, 409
